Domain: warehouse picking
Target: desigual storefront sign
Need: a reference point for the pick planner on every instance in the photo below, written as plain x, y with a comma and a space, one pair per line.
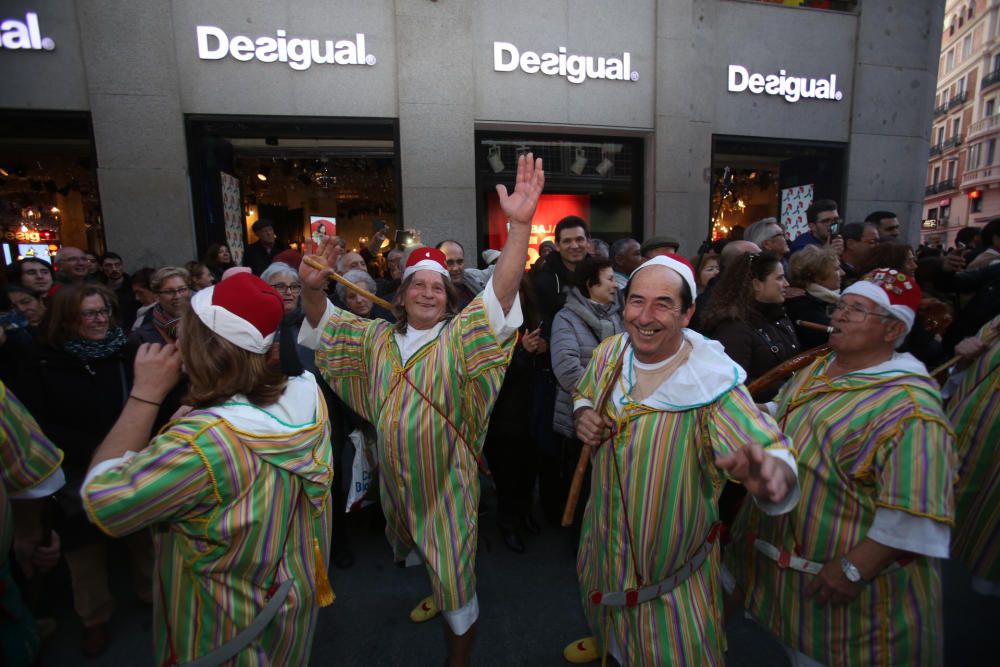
299, 53
575, 68
792, 88
26, 35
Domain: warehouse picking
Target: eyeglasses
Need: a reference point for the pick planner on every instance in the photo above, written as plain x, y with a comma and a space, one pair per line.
830, 221
174, 292
854, 313
91, 315
293, 288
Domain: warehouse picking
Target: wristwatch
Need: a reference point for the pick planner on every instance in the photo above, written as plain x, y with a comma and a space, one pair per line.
851, 571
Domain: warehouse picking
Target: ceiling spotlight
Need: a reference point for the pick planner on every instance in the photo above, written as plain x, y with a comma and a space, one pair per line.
4, 172
263, 173
494, 159
605, 166
580, 162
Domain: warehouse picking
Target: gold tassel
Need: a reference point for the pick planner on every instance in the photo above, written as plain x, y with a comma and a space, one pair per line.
324, 593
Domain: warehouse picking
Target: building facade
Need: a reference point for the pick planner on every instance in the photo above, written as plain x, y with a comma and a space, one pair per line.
963, 170
173, 125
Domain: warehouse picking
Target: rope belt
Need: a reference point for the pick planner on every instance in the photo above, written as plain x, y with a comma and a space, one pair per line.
636, 596
786, 559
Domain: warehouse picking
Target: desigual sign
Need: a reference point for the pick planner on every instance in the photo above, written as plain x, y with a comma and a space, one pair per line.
298, 52
26, 35
792, 88
576, 69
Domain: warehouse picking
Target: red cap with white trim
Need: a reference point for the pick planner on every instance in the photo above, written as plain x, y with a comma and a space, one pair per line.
425, 259
243, 309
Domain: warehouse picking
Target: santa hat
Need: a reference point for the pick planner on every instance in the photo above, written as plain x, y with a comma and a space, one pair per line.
894, 291
243, 309
676, 263
425, 259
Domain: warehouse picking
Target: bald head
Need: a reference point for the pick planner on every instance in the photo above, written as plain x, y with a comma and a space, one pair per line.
734, 250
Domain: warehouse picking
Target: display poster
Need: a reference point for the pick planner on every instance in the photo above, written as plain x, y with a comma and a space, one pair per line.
232, 213
320, 226
551, 209
794, 202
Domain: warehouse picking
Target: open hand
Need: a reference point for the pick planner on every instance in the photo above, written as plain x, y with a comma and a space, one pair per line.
521, 204
326, 255
767, 478
592, 428
157, 370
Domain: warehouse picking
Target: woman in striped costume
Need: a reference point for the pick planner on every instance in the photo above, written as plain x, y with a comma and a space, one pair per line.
428, 385
239, 487
974, 409
681, 424
851, 576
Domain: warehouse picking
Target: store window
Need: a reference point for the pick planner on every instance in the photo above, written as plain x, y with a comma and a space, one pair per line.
309, 176
755, 178
48, 185
598, 178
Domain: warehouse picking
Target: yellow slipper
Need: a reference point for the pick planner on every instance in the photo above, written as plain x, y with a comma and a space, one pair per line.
425, 611
584, 650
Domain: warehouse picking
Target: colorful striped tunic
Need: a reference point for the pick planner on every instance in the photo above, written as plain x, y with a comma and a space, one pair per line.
666, 458
431, 415
230, 505
975, 412
876, 438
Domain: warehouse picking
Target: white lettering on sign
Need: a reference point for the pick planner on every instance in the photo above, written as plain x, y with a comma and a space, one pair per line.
299, 53
24, 35
576, 69
792, 88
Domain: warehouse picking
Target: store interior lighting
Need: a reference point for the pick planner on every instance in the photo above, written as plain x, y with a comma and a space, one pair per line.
605, 165
493, 157
263, 173
580, 162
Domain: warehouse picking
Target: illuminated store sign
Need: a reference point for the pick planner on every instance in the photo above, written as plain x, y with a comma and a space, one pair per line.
576, 69
24, 35
792, 88
299, 53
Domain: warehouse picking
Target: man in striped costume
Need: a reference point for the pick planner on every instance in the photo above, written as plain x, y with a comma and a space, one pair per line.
239, 487
428, 385
851, 576
29, 471
680, 423
974, 409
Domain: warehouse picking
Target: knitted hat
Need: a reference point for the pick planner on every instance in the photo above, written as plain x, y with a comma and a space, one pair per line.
894, 291
678, 264
490, 255
243, 309
429, 259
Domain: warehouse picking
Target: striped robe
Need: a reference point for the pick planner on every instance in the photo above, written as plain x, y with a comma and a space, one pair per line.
671, 490
865, 440
428, 475
223, 499
975, 412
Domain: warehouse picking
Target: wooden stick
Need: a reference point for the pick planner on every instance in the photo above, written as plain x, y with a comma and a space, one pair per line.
360, 291
581, 464
787, 367
815, 326
987, 339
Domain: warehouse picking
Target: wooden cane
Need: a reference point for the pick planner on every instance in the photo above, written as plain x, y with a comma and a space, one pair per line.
581, 464
787, 367
360, 291
987, 339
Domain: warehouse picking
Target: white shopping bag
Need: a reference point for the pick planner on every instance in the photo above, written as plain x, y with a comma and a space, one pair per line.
363, 471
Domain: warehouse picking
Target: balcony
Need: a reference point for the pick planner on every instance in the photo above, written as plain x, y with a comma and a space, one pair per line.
978, 178
985, 126
946, 184
952, 142
941, 110
937, 148
957, 101
931, 189
990, 79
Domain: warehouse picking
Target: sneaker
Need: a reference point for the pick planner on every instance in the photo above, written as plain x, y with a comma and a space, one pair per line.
425, 611
582, 651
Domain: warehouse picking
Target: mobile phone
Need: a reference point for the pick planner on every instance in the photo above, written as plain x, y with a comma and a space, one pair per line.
12, 320
835, 229
404, 238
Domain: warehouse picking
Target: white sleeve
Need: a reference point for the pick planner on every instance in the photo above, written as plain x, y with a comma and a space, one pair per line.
792, 499
582, 403
43, 489
771, 408
504, 326
103, 466
310, 337
916, 534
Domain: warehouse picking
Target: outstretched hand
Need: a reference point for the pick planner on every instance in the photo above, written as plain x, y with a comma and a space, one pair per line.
520, 205
327, 256
766, 477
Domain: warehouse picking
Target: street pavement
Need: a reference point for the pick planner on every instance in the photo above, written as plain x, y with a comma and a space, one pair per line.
529, 608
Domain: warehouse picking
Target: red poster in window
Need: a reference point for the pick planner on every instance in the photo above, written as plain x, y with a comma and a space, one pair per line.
551, 209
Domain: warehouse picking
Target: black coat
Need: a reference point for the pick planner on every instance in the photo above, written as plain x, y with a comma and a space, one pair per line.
808, 308
258, 258
550, 282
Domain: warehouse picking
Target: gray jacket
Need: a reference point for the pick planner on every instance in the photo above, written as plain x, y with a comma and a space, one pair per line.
577, 329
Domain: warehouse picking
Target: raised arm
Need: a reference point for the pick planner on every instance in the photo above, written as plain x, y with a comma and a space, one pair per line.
314, 282
519, 207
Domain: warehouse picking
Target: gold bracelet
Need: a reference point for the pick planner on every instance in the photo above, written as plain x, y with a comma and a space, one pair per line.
143, 400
